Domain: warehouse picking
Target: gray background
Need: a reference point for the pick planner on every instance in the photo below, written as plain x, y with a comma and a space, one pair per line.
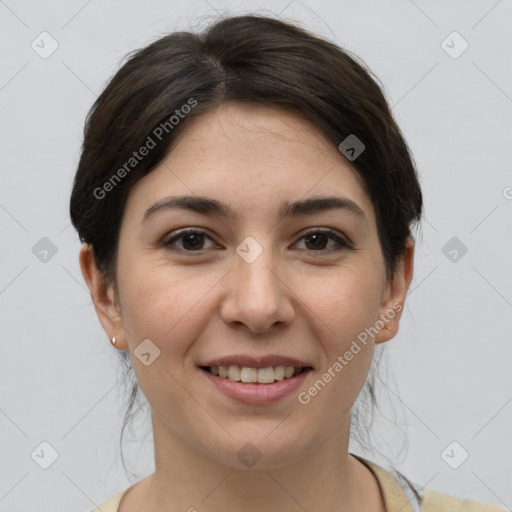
449, 367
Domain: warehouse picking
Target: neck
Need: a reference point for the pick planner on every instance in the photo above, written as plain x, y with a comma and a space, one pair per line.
328, 479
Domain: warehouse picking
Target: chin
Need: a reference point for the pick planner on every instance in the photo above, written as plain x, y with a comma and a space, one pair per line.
262, 452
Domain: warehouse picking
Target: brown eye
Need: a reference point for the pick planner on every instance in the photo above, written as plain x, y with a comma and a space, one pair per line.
317, 240
191, 240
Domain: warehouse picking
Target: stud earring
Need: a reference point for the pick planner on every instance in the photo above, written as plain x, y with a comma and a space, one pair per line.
113, 340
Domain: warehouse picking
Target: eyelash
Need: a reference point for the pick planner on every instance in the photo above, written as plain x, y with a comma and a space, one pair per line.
342, 242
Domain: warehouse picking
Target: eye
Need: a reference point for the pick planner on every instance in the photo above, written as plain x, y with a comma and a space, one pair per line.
315, 240
192, 240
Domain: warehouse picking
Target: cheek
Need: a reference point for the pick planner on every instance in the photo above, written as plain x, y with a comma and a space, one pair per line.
168, 310
164, 306
348, 307
348, 303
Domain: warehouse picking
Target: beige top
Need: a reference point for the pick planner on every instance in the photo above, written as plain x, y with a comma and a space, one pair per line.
400, 495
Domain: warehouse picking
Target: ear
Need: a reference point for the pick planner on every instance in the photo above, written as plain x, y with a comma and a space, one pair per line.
395, 293
103, 297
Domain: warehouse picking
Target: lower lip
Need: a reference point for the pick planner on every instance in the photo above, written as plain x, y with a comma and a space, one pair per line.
256, 393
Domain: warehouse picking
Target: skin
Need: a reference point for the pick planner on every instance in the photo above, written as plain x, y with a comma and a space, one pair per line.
294, 300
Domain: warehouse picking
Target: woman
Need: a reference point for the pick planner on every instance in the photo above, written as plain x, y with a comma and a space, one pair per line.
246, 202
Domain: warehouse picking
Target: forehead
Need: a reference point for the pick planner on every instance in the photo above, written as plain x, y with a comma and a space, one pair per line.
240, 126
250, 155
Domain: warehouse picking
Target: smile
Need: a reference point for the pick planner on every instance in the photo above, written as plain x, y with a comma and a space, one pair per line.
246, 387
248, 375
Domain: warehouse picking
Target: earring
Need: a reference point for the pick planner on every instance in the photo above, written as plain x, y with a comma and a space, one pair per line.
113, 340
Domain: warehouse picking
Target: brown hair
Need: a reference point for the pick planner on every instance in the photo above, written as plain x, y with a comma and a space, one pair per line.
248, 58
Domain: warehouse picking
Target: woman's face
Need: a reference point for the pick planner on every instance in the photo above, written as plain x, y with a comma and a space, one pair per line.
252, 285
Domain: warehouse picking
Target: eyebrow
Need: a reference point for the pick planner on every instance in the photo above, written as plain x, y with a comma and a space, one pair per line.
214, 207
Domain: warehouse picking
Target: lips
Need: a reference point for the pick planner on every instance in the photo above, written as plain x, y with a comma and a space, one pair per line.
256, 393
256, 380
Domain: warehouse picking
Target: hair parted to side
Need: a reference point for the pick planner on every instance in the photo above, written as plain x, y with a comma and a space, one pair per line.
250, 58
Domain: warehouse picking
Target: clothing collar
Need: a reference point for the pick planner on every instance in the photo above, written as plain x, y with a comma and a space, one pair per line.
395, 497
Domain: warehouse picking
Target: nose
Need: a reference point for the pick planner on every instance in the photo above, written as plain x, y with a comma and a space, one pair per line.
257, 295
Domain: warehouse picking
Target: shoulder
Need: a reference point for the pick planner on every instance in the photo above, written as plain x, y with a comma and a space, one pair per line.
435, 501
112, 504
402, 495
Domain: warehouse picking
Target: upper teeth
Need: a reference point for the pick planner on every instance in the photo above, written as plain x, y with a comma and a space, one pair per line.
260, 375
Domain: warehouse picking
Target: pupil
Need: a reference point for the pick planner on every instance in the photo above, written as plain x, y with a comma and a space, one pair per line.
188, 237
315, 237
